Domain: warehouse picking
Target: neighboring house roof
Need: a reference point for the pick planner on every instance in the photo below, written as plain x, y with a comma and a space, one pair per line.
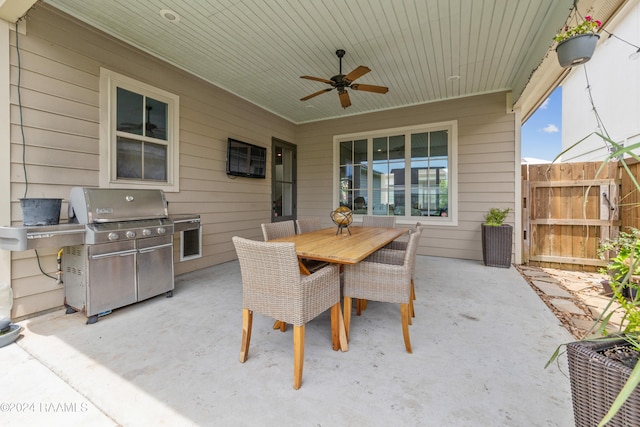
424, 50
534, 161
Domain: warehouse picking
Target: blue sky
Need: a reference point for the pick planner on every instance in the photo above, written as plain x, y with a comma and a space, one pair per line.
542, 133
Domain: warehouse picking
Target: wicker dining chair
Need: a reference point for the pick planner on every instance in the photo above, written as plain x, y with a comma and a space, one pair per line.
273, 230
387, 280
374, 221
400, 246
272, 286
378, 221
308, 224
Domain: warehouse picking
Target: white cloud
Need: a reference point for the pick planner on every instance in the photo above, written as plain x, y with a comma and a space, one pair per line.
551, 128
544, 105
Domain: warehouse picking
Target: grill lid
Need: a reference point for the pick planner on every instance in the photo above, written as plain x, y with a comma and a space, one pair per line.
98, 205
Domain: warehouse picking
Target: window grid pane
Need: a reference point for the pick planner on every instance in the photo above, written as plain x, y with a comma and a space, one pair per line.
129, 107
353, 175
429, 183
141, 118
141, 160
156, 119
427, 191
155, 162
388, 175
129, 164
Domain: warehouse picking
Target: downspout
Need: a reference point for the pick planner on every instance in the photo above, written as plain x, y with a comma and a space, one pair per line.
5, 145
517, 191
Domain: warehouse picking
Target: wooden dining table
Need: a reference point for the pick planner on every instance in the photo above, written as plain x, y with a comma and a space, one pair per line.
341, 247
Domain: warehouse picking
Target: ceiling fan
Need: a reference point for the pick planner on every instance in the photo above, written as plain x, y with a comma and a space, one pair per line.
341, 82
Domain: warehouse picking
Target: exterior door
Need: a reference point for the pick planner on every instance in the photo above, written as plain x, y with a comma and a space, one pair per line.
283, 190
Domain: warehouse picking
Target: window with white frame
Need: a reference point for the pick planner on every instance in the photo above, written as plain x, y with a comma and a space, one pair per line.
139, 134
406, 172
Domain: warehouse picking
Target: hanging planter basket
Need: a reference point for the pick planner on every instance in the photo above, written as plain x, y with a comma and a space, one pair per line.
576, 50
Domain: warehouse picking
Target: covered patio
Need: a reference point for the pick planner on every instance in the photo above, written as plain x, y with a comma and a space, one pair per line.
481, 337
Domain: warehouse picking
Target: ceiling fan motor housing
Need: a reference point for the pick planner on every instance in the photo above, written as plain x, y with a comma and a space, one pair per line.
341, 82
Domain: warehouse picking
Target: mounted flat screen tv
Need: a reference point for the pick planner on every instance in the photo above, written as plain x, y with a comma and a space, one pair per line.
244, 159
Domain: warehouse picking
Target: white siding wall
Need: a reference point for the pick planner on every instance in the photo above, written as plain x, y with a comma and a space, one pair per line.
615, 87
486, 165
60, 68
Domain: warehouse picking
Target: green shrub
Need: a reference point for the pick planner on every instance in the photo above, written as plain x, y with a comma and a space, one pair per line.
495, 216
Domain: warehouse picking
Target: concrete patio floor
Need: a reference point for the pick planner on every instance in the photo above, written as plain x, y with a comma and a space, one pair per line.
481, 338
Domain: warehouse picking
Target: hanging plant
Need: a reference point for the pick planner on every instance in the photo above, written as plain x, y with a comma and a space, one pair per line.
577, 43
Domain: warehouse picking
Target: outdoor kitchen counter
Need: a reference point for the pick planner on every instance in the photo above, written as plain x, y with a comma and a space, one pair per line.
22, 238
184, 222
38, 237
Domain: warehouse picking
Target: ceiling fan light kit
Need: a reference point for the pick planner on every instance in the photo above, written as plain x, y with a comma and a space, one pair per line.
341, 82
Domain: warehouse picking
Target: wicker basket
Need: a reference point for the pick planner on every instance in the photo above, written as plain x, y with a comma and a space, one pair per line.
497, 245
595, 383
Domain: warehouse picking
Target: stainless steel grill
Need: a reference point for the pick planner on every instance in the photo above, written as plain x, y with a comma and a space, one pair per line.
127, 254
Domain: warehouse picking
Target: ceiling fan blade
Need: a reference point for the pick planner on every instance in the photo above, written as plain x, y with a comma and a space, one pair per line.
317, 79
370, 88
320, 92
345, 101
357, 73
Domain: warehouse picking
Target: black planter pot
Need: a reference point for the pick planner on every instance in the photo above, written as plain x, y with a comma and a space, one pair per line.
496, 245
576, 50
596, 381
40, 211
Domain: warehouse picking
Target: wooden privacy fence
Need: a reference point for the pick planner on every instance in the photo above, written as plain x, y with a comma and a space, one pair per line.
569, 208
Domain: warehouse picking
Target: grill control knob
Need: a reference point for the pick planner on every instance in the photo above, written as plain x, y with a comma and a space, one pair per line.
146, 232
113, 236
130, 234
161, 230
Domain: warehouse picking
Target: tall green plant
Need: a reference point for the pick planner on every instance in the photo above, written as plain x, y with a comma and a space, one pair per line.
626, 260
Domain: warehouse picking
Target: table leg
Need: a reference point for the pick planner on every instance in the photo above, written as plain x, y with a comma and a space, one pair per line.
303, 268
342, 333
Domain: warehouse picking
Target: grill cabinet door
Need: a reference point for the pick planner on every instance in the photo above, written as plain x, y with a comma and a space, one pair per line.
155, 266
112, 276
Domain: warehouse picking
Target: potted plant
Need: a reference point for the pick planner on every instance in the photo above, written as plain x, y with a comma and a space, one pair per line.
577, 43
497, 238
605, 372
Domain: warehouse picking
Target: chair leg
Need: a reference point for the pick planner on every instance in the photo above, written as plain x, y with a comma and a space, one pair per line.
347, 315
404, 313
278, 324
298, 355
335, 334
361, 305
413, 298
247, 320
412, 312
